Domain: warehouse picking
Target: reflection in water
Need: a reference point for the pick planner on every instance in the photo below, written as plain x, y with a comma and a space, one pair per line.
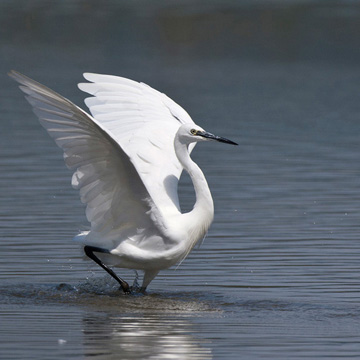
141, 337
151, 327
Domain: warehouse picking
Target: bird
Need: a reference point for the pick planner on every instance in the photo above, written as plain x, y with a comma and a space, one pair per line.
127, 156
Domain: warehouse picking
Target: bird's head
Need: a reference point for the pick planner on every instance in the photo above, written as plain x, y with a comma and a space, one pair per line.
189, 133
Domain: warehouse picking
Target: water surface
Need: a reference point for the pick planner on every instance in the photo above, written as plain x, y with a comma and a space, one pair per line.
278, 274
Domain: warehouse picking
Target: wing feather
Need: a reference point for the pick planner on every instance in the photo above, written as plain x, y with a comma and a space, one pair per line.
117, 202
144, 122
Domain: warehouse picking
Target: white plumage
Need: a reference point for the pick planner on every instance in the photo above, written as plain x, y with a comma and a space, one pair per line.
127, 159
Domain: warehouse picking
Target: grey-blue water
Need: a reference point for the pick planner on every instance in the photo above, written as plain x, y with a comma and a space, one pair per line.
278, 275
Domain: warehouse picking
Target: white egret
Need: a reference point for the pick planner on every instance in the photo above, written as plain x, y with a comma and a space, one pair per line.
127, 160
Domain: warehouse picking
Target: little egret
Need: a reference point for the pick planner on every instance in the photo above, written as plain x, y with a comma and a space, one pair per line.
127, 159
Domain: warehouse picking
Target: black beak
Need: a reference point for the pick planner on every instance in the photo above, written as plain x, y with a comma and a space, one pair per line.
214, 137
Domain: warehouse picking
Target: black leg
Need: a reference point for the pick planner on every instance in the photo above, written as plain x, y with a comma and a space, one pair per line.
89, 251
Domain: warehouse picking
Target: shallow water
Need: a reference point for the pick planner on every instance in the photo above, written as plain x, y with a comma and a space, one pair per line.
278, 274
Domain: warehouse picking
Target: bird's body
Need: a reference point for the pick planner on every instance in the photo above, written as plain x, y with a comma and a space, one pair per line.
127, 159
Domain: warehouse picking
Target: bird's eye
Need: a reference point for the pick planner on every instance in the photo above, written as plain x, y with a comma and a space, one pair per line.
193, 131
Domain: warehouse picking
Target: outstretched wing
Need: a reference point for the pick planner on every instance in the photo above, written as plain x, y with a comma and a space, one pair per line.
144, 122
118, 204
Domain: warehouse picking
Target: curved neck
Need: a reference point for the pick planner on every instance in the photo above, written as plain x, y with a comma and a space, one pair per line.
204, 206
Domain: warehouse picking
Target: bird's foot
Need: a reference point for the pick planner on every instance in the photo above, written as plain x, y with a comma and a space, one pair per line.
125, 288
